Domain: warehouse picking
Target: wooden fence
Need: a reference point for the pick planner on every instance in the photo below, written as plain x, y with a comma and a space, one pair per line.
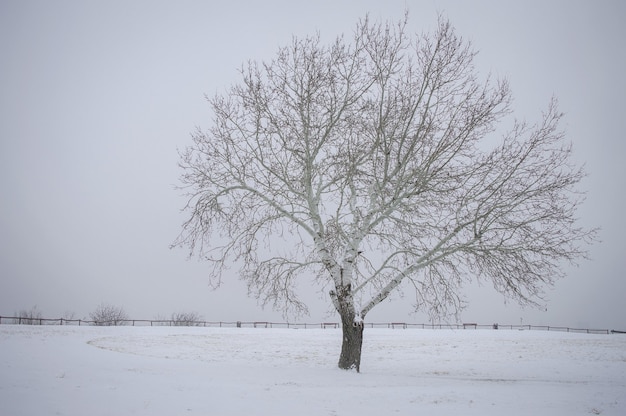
16, 320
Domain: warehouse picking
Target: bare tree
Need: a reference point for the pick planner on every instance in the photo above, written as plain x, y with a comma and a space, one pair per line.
30, 317
186, 319
108, 315
69, 316
373, 163
161, 320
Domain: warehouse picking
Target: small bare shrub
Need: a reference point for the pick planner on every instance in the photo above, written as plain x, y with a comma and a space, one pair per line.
108, 315
160, 320
69, 316
29, 317
186, 319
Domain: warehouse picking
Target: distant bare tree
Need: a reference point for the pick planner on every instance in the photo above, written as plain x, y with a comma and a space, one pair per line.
69, 316
373, 163
108, 315
30, 317
160, 320
186, 319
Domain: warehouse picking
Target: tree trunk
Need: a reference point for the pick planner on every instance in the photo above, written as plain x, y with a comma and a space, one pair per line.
351, 345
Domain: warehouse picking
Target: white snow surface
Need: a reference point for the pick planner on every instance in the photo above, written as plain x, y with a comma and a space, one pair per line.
70, 370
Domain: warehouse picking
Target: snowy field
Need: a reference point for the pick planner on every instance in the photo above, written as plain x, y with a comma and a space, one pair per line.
66, 370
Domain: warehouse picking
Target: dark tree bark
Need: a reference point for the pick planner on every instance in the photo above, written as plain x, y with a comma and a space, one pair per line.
351, 326
351, 344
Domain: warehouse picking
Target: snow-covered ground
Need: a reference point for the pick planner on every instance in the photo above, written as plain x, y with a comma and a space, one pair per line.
67, 370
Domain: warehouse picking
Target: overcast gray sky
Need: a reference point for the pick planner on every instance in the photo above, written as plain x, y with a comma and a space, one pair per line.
96, 98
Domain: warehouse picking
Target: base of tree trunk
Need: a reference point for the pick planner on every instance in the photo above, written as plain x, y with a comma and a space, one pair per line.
351, 345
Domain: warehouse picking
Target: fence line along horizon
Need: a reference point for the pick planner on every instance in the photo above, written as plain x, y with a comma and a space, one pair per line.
17, 320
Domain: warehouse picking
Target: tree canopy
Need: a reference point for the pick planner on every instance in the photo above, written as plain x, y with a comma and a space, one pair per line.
378, 160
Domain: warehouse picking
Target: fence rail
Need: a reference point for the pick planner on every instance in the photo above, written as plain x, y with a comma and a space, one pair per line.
16, 320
